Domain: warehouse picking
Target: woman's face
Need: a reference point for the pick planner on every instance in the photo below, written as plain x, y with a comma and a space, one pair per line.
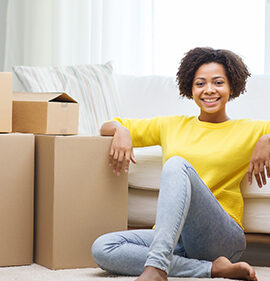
211, 91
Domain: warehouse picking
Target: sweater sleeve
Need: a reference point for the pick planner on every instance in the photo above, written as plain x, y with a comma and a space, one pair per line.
267, 128
144, 132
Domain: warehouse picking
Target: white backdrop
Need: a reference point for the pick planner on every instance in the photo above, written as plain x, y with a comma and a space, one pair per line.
140, 36
62, 32
237, 25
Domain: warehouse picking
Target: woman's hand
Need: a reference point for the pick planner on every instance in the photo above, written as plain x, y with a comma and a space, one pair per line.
260, 158
121, 150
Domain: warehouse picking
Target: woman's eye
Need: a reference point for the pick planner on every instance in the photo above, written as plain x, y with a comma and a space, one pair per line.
219, 82
199, 83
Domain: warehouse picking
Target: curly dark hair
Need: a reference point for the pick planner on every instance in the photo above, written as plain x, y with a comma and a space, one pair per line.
236, 71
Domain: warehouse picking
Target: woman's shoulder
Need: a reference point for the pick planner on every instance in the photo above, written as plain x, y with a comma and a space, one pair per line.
249, 121
178, 118
253, 124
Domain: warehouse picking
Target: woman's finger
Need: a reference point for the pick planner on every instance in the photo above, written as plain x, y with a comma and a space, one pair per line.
262, 172
120, 162
250, 171
111, 157
132, 157
257, 174
267, 168
115, 160
127, 161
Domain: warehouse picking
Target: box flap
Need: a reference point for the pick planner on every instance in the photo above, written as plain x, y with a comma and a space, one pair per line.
46, 97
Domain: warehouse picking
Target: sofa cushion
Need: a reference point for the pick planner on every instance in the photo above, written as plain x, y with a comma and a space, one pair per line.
253, 191
149, 96
144, 182
142, 204
145, 174
93, 86
252, 104
256, 218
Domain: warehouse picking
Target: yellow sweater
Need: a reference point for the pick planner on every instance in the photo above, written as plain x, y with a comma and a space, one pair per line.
219, 152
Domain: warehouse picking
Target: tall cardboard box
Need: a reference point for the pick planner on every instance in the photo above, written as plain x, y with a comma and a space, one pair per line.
45, 113
5, 102
78, 198
16, 199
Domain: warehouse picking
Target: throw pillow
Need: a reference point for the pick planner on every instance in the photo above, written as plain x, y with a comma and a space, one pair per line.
92, 86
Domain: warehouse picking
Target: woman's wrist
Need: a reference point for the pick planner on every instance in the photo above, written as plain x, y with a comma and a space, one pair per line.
119, 129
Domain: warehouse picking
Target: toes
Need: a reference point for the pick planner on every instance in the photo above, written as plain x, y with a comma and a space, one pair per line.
252, 275
255, 278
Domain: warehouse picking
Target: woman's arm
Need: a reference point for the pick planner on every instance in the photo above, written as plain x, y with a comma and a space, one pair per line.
109, 128
259, 159
121, 151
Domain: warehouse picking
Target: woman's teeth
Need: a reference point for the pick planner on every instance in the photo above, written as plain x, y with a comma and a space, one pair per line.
211, 100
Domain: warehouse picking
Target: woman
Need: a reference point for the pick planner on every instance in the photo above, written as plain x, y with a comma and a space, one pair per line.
198, 229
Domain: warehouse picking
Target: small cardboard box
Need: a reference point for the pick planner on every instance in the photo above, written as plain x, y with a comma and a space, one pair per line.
77, 199
5, 102
16, 199
45, 113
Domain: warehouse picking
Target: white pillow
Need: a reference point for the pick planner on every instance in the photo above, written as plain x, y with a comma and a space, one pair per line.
92, 86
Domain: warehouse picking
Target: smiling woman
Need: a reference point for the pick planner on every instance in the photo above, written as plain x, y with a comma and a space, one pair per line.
211, 78
198, 230
211, 90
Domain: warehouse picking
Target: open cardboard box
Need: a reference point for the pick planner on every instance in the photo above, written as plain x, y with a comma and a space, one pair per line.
45, 113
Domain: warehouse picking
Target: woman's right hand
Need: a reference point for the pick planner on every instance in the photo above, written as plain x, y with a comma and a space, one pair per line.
121, 151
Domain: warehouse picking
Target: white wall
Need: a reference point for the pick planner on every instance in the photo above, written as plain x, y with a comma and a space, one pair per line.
267, 37
3, 11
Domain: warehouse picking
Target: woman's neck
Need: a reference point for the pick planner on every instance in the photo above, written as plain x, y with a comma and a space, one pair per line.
213, 118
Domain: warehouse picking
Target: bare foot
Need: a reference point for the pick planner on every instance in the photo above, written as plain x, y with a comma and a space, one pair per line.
222, 267
152, 274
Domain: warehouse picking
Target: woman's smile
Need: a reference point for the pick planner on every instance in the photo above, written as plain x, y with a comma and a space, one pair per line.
211, 91
210, 101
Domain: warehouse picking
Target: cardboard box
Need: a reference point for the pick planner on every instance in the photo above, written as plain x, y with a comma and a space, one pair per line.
5, 102
78, 198
16, 199
45, 113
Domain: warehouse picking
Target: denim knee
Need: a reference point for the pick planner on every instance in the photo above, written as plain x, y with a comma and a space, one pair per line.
99, 252
104, 247
175, 163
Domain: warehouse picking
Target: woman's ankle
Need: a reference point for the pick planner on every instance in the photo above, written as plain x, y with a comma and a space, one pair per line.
153, 274
161, 272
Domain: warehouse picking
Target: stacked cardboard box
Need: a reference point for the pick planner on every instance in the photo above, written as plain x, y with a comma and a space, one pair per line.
77, 197
6, 102
45, 113
17, 185
16, 199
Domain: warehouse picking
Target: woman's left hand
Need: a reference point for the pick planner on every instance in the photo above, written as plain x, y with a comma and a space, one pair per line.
260, 158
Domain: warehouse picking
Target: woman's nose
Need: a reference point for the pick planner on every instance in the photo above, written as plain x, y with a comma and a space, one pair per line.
209, 88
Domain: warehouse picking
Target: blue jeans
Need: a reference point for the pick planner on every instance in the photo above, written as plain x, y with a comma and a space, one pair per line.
192, 230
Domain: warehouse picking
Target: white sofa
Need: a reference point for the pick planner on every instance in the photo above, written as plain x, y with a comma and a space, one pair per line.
148, 96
